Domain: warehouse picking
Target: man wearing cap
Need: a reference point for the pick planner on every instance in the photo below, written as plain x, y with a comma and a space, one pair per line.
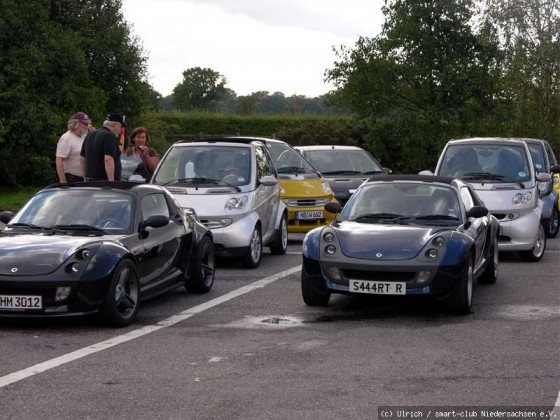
68, 148
100, 155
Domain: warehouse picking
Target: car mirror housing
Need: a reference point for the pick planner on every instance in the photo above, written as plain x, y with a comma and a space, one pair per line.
333, 207
6, 216
555, 169
156, 221
268, 181
477, 211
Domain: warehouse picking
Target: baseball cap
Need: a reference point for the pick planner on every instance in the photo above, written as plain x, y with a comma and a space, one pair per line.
116, 118
82, 117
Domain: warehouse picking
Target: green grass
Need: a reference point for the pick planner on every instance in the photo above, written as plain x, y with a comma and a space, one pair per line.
12, 198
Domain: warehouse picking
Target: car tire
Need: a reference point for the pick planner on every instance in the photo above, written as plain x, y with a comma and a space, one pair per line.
312, 297
280, 244
537, 251
253, 257
553, 224
204, 268
490, 274
122, 299
461, 298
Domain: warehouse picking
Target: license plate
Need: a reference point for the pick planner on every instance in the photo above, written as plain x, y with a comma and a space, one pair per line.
309, 215
378, 287
21, 302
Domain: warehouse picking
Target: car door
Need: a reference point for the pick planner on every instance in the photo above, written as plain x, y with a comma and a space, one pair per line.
478, 227
267, 197
161, 244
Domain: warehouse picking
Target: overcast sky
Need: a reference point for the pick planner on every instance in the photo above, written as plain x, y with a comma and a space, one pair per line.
270, 45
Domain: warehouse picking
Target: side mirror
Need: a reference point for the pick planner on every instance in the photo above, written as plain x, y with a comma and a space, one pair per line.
477, 211
555, 169
543, 177
333, 207
388, 170
6, 216
425, 172
156, 221
268, 181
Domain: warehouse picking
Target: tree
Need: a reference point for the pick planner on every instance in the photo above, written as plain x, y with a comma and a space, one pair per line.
427, 60
59, 57
200, 89
529, 31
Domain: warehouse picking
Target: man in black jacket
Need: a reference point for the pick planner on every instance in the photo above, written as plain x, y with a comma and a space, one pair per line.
100, 155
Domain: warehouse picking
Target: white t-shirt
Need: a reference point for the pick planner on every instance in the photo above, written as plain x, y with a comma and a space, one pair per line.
69, 147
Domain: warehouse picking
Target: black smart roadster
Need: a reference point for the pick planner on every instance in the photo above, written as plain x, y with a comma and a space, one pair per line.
100, 247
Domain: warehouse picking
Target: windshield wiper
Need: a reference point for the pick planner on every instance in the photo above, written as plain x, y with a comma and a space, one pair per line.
344, 172
377, 216
30, 226
80, 227
200, 181
489, 176
436, 217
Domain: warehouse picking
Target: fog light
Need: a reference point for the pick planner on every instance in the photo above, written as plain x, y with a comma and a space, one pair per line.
328, 237
333, 273
74, 267
330, 249
84, 254
438, 241
431, 253
423, 277
62, 293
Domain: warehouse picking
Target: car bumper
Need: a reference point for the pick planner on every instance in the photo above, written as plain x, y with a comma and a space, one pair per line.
84, 299
440, 284
519, 234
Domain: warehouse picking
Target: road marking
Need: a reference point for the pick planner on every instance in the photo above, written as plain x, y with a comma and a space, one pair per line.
181, 316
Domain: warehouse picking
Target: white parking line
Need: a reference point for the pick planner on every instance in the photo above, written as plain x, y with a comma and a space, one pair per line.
94, 348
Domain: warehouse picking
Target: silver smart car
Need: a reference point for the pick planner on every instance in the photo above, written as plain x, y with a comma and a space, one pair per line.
503, 175
233, 189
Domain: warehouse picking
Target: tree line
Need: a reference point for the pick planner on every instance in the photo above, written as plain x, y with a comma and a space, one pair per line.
439, 69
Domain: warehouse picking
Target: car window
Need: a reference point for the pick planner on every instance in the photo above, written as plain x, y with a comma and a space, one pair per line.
500, 163
538, 155
264, 163
288, 160
337, 160
154, 205
467, 198
206, 162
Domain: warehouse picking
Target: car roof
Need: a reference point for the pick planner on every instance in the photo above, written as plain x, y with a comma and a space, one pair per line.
417, 178
479, 140
222, 141
329, 147
141, 189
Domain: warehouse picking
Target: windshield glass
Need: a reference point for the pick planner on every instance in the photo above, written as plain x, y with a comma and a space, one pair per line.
336, 161
288, 160
496, 163
109, 211
205, 166
412, 202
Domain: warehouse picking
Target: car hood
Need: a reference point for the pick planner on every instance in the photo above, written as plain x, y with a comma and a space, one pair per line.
304, 188
384, 242
35, 255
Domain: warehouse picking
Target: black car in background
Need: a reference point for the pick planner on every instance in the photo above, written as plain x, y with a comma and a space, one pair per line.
100, 247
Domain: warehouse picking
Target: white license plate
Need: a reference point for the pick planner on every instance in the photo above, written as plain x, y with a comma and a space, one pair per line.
21, 302
309, 215
378, 287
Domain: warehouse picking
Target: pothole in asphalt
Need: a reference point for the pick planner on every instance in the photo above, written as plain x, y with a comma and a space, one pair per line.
276, 320
527, 312
270, 321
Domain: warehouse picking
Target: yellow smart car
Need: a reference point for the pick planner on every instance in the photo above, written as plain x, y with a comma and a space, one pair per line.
304, 190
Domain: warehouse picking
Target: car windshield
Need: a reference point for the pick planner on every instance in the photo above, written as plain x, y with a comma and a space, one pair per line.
403, 202
343, 162
288, 160
490, 163
205, 166
538, 155
77, 211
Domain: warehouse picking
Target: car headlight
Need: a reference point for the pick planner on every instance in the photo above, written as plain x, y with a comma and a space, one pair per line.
520, 198
236, 203
326, 187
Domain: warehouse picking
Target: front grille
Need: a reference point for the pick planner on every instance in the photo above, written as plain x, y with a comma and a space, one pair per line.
307, 202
